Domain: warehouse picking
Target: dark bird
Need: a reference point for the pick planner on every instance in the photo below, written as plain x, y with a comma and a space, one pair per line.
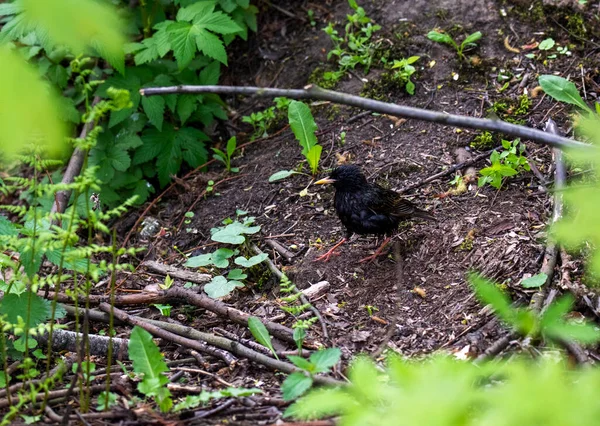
367, 208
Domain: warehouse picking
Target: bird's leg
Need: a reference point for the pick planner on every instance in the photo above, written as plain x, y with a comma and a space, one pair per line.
331, 251
377, 252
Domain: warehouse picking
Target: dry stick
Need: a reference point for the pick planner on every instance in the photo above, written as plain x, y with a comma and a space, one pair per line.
177, 294
174, 272
55, 394
67, 340
73, 169
303, 298
285, 253
447, 171
315, 92
233, 347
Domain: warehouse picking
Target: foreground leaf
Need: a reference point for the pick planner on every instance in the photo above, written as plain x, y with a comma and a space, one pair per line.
261, 334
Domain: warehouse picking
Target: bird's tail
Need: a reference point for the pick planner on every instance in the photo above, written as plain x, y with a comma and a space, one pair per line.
423, 214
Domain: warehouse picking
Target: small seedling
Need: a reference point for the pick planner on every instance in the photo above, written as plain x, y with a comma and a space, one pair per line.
444, 38
311, 17
371, 309
508, 163
225, 157
167, 284
404, 70
356, 48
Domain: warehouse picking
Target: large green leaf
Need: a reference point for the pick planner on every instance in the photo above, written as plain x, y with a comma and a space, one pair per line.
148, 361
303, 125
563, 90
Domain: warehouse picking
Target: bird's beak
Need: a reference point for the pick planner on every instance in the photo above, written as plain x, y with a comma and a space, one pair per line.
324, 181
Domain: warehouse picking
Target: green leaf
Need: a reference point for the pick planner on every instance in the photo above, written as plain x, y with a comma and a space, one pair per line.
28, 108
220, 287
79, 24
562, 90
302, 363
237, 275
472, 38
196, 9
234, 233
282, 174
261, 334
535, 281
254, 260
489, 294
219, 257
186, 105
210, 74
547, 44
182, 36
313, 156
323, 360
148, 361
295, 385
303, 125
191, 142
217, 22
231, 145
199, 261
7, 227
211, 45
24, 305
154, 107
441, 38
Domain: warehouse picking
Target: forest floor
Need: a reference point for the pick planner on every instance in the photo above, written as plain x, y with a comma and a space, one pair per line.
500, 233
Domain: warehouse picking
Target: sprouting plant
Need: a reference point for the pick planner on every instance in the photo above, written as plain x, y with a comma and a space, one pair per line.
508, 163
225, 157
296, 384
311, 17
234, 233
371, 309
294, 306
261, 121
444, 38
304, 127
356, 47
403, 71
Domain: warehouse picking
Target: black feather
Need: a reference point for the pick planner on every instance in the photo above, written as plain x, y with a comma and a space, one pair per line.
366, 208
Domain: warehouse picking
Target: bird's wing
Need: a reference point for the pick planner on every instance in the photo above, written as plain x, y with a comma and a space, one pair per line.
388, 202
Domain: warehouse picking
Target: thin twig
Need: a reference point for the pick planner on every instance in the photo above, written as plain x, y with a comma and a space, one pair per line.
315, 92
448, 171
233, 347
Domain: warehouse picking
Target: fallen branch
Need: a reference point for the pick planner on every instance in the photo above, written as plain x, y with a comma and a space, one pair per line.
315, 92
174, 272
178, 294
233, 347
73, 170
64, 340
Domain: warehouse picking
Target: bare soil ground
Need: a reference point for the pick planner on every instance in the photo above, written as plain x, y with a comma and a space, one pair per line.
499, 233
